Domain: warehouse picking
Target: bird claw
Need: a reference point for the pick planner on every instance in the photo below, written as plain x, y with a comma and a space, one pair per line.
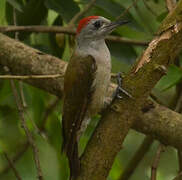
119, 88
119, 97
124, 92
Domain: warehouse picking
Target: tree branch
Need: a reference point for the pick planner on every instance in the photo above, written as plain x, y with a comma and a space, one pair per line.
127, 10
178, 176
106, 141
137, 158
23, 60
66, 30
81, 13
27, 132
155, 163
155, 120
170, 4
15, 158
25, 146
30, 76
10, 162
38, 29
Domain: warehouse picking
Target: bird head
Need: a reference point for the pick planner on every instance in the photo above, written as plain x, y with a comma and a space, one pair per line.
96, 27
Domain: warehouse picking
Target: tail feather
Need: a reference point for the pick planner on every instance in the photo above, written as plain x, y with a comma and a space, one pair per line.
71, 151
74, 164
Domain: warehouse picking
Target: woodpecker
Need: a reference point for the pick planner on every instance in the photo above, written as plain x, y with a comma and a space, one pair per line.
86, 82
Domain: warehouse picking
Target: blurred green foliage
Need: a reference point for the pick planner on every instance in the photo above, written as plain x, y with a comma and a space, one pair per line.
144, 23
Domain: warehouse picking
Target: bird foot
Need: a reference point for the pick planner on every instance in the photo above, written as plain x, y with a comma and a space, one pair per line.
119, 89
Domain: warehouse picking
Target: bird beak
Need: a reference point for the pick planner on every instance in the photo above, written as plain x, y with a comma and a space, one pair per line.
113, 25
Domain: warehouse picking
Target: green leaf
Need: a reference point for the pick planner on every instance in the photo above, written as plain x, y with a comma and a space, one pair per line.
9, 14
174, 75
142, 15
87, 134
2, 11
122, 52
161, 17
1, 150
67, 9
111, 7
17, 4
57, 48
34, 13
37, 101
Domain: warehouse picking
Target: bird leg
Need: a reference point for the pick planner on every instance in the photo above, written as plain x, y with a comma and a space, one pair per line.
119, 89
116, 94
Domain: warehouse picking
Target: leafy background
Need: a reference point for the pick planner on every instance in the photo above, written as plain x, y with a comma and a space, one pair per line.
145, 20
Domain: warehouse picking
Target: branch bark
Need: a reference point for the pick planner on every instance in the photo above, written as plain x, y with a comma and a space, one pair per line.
67, 30
170, 4
161, 123
116, 121
23, 60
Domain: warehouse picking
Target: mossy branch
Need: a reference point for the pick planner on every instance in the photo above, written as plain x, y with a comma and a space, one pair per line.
115, 122
23, 60
108, 138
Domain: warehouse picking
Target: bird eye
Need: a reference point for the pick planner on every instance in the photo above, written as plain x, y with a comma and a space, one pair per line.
97, 24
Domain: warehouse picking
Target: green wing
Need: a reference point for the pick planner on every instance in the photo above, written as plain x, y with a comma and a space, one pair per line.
78, 89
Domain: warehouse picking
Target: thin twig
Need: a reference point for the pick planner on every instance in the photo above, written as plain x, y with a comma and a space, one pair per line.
126, 11
17, 38
81, 13
180, 160
178, 109
156, 160
67, 30
48, 111
22, 94
24, 148
137, 158
41, 129
140, 15
42, 29
126, 40
16, 158
170, 4
27, 132
156, 99
15, 23
178, 176
10, 162
30, 76
37, 130
179, 103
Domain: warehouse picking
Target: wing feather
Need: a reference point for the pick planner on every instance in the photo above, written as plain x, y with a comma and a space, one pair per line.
78, 89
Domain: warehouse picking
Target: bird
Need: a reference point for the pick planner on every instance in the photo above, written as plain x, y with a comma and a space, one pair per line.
86, 82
